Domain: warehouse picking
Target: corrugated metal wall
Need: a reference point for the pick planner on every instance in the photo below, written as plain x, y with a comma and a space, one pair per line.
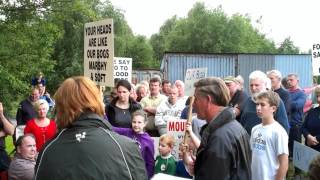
299, 64
251, 62
219, 65
174, 65
145, 74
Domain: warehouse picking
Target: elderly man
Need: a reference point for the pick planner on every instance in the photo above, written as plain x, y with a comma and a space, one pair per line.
168, 110
25, 110
224, 152
258, 83
22, 165
238, 96
298, 99
180, 85
275, 77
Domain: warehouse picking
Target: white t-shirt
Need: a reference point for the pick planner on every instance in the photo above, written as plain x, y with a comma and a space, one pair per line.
267, 143
166, 111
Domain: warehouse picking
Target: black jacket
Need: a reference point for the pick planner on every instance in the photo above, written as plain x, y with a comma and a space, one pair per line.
125, 120
25, 112
224, 152
90, 150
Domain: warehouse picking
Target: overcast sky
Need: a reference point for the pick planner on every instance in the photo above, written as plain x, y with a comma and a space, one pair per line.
280, 18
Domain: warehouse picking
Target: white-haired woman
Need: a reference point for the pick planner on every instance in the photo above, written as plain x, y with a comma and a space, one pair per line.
41, 127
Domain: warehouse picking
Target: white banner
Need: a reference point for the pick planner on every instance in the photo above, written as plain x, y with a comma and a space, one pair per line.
99, 52
192, 76
122, 68
316, 59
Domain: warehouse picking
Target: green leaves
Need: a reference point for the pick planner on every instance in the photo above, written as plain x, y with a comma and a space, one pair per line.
210, 31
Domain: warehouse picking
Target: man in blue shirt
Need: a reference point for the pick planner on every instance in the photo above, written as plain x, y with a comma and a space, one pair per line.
298, 99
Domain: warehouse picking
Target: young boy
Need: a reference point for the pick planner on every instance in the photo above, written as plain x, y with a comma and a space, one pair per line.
165, 162
142, 138
269, 141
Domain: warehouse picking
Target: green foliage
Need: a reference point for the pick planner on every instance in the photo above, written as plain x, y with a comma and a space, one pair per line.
288, 47
210, 31
26, 44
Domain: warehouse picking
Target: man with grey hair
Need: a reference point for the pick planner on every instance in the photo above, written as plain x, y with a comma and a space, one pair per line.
249, 118
224, 152
275, 77
298, 99
180, 85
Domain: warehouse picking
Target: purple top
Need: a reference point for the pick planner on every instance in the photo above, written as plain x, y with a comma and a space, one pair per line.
145, 144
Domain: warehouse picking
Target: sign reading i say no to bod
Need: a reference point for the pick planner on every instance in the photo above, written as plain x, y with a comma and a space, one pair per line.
122, 68
98, 52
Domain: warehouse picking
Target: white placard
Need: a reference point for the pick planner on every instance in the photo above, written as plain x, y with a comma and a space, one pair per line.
99, 52
316, 59
161, 176
192, 76
303, 156
19, 131
122, 68
176, 127
156, 146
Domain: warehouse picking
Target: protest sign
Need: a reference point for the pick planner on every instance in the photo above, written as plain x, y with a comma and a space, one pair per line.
122, 68
176, 127
316, 59
303, 156
192, 76
99, 52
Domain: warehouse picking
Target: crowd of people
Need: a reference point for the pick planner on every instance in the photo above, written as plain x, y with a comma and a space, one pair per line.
234, 134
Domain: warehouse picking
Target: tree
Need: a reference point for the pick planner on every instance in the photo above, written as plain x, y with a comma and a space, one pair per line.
26, 44
288, 47
210, 31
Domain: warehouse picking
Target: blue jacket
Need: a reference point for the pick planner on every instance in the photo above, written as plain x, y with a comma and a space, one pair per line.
298, 99
249, 117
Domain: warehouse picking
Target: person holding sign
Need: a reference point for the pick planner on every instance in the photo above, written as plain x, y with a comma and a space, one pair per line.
120, 109
170, 109
224, 151
311, 125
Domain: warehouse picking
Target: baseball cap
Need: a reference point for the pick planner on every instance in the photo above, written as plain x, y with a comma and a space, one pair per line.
229, 79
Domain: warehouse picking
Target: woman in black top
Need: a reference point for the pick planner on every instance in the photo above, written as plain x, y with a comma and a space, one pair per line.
120, 109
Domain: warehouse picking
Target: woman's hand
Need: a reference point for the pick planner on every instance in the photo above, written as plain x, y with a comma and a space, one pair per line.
312, 140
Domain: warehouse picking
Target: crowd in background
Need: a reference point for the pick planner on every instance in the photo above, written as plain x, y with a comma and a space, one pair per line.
234, 134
